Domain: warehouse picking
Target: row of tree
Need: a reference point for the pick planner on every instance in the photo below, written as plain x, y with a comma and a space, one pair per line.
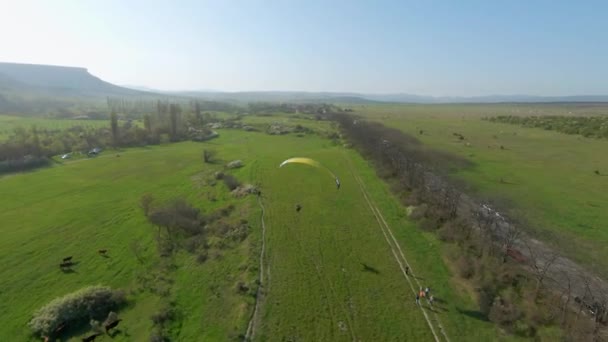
491, 248
138, 108
587, 126
29, 147
289, 107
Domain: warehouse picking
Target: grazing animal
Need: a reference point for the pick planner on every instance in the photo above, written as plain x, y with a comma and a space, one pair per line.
298, 207
91, 338
67, 258
102, 251
112, 325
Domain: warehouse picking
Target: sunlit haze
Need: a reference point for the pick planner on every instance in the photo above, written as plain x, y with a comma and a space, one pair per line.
449, 48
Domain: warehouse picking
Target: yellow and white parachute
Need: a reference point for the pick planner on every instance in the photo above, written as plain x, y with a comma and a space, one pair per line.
310, 162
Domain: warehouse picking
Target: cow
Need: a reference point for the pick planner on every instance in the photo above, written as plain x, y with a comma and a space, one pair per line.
112, 325
91, 338
102, 251
67, 259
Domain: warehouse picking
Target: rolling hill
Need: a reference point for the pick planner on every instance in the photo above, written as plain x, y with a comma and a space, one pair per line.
36, 89
57, 79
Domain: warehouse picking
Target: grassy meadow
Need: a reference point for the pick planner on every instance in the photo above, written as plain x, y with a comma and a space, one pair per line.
317, 287
547, 178
8, 123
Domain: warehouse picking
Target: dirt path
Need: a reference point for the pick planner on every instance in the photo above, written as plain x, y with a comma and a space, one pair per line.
398, 255
259, 293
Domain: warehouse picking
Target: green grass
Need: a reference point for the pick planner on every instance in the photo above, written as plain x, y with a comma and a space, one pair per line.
82, 206
314, 257
9, 123
548, 177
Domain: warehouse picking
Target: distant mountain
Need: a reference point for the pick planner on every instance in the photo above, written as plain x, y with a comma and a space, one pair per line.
60, 80
275, 96
296, 96
37, 89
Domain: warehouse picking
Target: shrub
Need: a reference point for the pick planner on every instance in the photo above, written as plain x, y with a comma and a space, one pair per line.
202, 256
486, 299
165, 315
23, 164
146, 203
419, 212
231, 182
504, 312
93, 302
209, 156
465, 267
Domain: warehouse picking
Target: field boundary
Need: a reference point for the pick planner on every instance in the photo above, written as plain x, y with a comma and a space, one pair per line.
259, 293
399, 258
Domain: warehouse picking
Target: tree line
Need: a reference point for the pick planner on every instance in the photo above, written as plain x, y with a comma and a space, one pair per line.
138, 108
520, 286
28, 148
587, 126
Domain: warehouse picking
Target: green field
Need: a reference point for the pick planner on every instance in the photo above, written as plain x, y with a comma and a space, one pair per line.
317, 287
547, 177
9, 123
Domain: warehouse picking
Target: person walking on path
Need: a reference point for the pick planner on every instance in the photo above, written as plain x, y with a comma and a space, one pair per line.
407, 270
418, 299
426, 291
431, 299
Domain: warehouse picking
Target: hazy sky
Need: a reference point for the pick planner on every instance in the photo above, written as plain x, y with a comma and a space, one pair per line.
426, 47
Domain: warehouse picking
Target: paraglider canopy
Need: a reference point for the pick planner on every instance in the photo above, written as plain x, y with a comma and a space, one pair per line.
311, 162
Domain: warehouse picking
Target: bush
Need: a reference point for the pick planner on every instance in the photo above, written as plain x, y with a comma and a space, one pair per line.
504, 312
465, 267
23, 164
419, 212
231, 182
448, 232
209, 156
165, 315
486, 299
202, 256
146, 203
93, 302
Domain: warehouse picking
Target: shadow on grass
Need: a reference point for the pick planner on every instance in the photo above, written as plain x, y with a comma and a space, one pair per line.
439, 300
368, 268
117, 332
473, 314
